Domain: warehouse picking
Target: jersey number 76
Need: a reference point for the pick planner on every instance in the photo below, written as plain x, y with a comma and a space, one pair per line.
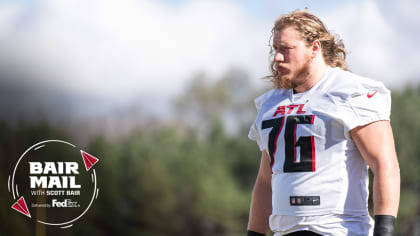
306, 143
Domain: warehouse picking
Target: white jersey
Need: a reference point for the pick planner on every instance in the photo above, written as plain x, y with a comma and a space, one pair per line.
316, 167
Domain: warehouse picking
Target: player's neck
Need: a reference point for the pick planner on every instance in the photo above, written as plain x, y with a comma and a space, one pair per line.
315, 73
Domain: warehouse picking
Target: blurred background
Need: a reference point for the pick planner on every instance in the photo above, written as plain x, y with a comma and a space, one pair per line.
162, 92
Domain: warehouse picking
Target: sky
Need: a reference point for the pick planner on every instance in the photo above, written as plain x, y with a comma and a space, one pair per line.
148, 50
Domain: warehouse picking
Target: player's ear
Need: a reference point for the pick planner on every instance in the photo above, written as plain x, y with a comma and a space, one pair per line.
316, 48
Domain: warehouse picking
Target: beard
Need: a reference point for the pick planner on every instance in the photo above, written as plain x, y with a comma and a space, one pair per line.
289, 81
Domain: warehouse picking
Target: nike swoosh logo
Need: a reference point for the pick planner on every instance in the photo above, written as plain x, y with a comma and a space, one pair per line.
369, 95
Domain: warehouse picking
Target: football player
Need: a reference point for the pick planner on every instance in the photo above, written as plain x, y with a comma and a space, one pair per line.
319, 129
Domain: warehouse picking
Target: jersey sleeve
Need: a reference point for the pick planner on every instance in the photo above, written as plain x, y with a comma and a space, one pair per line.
370, 101
254, 134
254, 131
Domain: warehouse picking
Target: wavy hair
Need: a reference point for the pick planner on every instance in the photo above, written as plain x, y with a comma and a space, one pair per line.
311, 28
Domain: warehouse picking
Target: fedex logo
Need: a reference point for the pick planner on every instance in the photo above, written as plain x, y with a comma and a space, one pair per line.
298, 108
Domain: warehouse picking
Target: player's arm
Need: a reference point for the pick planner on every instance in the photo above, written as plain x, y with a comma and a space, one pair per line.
261, 207
375, 142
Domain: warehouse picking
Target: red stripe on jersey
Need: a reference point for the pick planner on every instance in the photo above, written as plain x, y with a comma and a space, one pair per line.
275, 145
313, 145
313, 152
294, 143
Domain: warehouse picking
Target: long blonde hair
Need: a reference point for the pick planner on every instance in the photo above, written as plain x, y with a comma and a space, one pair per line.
311, 28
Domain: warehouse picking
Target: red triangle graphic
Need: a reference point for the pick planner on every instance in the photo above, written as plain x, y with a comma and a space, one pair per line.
89, 160
87, 163
22, 203
20, 206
